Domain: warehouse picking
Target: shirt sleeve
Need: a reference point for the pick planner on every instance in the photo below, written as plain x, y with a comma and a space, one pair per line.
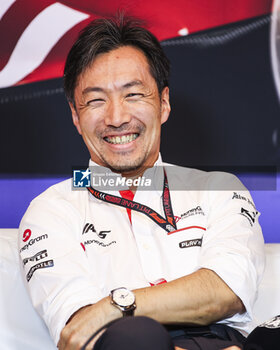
55, 266
233, 245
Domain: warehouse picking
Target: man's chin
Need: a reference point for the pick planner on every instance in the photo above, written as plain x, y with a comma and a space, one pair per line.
126, 168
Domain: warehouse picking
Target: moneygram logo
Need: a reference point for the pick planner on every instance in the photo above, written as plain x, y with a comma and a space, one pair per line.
33, 241
26, 235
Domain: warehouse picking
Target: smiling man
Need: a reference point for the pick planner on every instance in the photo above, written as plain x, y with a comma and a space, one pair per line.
184, 264
118, 110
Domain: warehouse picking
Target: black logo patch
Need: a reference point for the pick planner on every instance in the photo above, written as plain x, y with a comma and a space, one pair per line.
238, 196
89, 227
191, 243
39, 256
194, 211
41, 265
250, 215
103, 234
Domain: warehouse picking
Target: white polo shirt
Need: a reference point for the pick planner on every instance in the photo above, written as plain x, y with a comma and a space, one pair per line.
76, 248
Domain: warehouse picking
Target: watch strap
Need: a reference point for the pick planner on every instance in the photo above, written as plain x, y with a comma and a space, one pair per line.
130, 311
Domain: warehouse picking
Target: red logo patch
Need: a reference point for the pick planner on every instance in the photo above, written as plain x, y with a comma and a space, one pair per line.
83, 246
157, 282
26, 235
177, 218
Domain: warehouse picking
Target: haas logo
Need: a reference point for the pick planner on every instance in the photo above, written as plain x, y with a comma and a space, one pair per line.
90, 227
26, 235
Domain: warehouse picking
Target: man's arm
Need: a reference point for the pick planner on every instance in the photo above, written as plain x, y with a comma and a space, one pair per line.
197, 299
200, 298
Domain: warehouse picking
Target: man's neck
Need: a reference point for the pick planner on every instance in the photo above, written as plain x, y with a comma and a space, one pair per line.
133, 176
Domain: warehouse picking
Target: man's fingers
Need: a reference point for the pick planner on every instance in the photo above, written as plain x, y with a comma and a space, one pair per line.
74, 340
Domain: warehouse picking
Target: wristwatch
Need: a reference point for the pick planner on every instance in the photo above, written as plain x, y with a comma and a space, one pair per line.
124, 300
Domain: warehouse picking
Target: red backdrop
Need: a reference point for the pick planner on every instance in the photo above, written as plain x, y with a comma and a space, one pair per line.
36, 35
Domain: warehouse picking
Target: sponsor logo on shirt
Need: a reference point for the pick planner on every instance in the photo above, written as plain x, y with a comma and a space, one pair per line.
41, 265
157, 282
250, 215
26, 235
101, 234
191, 243
194, 211
248, 200
39, 256
101, 244
177, 218
89, 227
81, 178
33, 241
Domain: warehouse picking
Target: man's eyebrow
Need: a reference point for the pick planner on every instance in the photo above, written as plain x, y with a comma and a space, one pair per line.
92, 89
132, 83
122, 87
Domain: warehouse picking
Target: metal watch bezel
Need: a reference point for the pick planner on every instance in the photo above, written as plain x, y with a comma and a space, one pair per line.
126, 310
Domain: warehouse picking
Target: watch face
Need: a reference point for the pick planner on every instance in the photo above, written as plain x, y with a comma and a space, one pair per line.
123, 297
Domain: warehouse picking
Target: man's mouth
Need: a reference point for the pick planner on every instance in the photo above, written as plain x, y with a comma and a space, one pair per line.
120, 140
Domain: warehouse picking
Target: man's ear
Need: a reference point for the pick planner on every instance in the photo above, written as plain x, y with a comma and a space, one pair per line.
75, 118
165, 105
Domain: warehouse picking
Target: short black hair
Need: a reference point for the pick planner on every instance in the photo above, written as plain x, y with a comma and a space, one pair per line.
107, 34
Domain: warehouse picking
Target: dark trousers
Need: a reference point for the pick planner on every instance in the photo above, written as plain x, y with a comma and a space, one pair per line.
143, 333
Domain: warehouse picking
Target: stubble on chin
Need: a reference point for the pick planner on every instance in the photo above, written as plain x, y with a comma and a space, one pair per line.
124, 166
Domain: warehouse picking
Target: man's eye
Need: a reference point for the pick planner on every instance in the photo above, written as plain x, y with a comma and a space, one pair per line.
94, 101
134, 95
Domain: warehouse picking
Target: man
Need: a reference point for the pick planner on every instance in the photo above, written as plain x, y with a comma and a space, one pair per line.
104, 255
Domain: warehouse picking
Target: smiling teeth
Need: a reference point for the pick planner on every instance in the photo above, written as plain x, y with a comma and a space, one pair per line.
119, 140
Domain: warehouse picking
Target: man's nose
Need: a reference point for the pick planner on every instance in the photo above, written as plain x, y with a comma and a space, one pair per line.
117, 114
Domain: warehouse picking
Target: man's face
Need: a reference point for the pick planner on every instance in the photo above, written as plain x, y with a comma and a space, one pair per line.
119, 111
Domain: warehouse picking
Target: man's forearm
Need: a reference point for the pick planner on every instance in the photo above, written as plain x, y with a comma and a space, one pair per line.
200, 298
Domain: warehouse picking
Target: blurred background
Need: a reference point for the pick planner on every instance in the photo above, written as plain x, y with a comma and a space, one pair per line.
225, 107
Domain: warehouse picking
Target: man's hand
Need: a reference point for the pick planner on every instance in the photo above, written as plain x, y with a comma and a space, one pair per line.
86, 322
